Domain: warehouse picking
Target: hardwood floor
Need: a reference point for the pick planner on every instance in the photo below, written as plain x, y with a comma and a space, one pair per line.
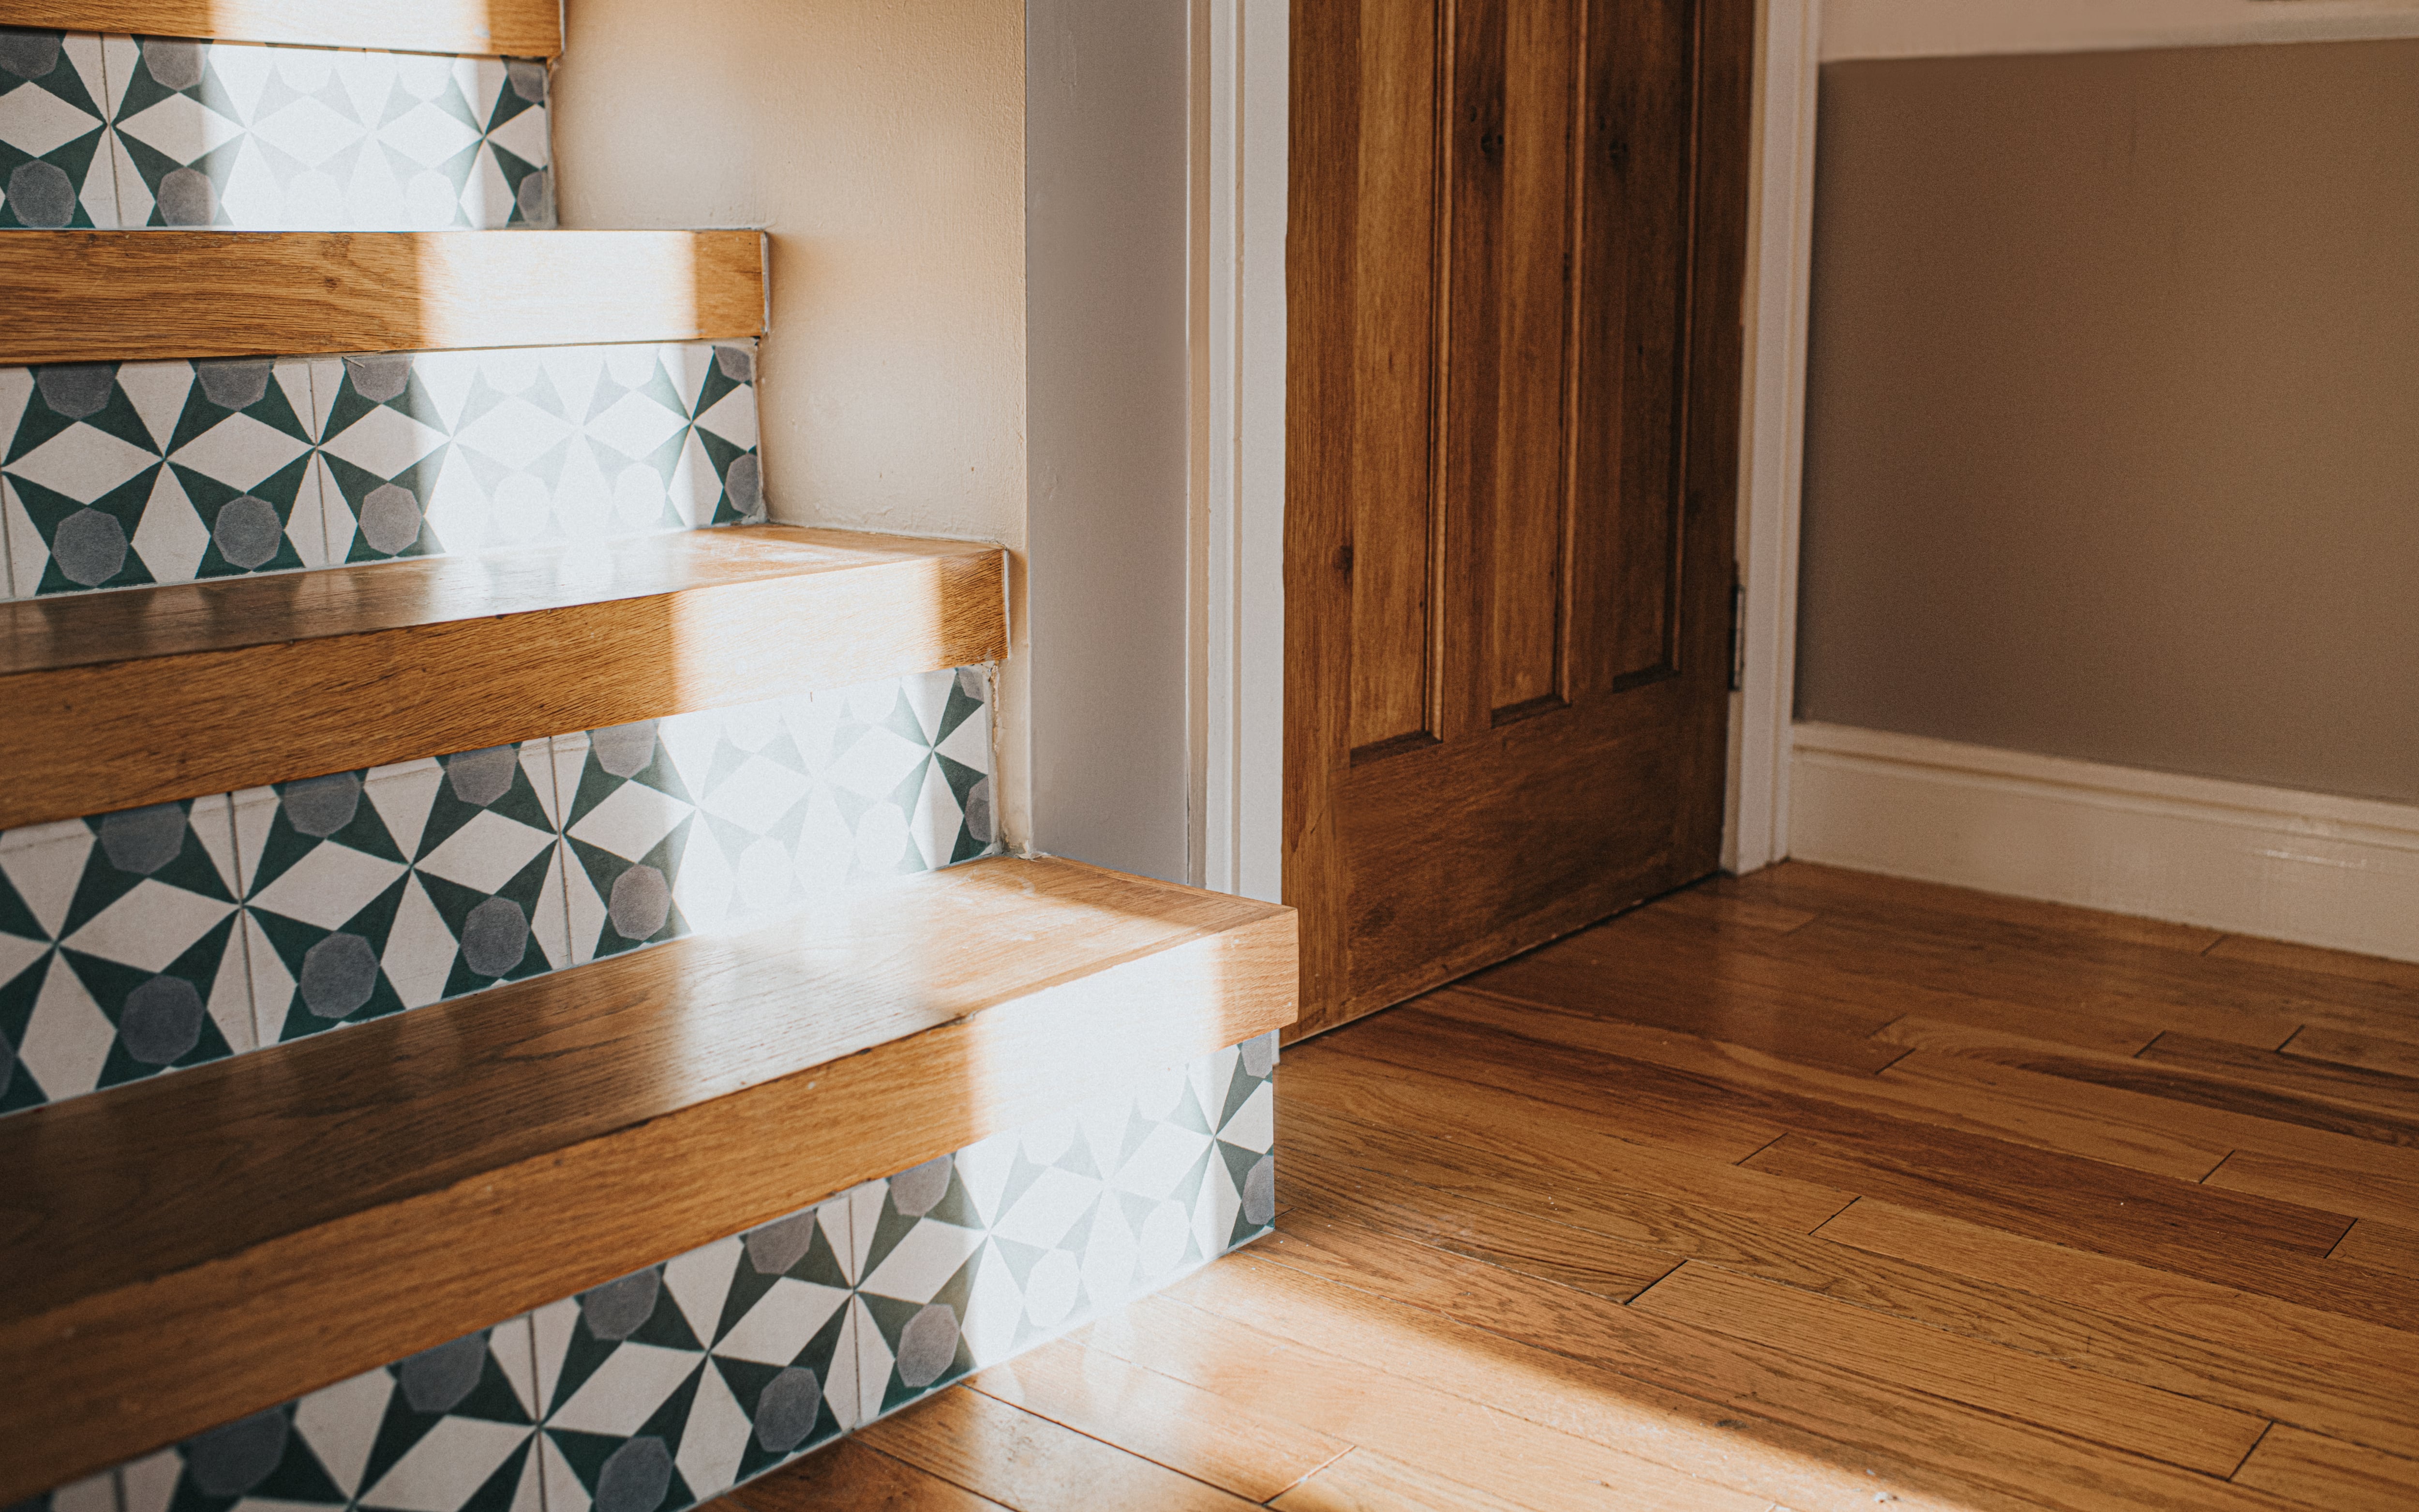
1806, 1191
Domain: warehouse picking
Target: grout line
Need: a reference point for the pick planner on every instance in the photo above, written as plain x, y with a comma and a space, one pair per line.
537, 1394
2264, 1431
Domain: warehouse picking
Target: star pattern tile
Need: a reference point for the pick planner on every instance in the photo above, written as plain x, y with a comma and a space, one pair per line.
663, 1389
163, 937
118, 953
366, 894
252, 138
54, 171
117, 475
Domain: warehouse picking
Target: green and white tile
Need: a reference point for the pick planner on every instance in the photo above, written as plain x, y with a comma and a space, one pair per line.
366, 894
252, 138
120, 474
54, 169
118, 953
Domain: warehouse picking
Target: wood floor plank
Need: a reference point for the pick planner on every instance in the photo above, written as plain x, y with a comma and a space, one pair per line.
1965, 1448
2360, 1393
2396, 1057
2038, 1204
1031, 1463
1528, 1425
1571, 1254
1671, 991
2322, 1473
1161, 1418
1866, 895
2310, 959
1704, 902
1665, 1113
1365, 1482
2072, 973
2021, 1031
1860, 963
2323, 1341
2156, 1424
2380, 1246
2392, 1195
1533, 1133
850, 1474
2382, 1092
1567, 1059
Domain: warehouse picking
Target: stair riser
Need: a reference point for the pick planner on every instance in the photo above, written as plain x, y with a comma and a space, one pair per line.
885, 1294
152, 940
129, 134
123, 475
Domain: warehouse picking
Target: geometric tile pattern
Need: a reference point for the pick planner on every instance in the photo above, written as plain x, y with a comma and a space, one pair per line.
54, 171
122, 131
119, 956
115, 474
138, 942
449, 1428
662, 1390
976, 1258
706, 822
368, 893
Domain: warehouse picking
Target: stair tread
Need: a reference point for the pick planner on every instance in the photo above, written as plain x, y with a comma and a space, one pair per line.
505, 28
145, 695
350, 1200
146, 294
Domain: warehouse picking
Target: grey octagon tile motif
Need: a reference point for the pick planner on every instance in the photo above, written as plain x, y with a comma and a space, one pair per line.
55, 173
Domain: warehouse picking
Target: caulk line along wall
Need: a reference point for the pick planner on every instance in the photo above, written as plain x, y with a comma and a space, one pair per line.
135, 944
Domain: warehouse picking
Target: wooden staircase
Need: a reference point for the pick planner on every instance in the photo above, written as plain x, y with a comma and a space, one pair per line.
706, 1082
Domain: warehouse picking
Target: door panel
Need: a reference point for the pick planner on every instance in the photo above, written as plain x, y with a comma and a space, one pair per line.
1519, 232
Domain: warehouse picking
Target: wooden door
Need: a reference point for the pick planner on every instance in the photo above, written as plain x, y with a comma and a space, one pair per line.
1517, 244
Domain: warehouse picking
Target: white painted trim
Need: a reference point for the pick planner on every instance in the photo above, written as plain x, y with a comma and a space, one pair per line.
1780, 282
1241, 82
1957, 28
2308, 867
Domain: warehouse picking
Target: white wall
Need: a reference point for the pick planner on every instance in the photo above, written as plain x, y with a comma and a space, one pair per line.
1107, 109
881, 143
1946, 28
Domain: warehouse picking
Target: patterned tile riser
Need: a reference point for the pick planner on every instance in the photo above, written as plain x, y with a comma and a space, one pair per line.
123, 475
113, 133
158, 938
662, 1390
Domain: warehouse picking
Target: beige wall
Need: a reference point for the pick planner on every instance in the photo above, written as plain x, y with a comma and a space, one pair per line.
2113, 432
882, 144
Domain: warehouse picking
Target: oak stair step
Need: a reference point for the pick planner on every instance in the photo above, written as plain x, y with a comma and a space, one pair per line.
497, 28
140, 295
336, 1203
147, 695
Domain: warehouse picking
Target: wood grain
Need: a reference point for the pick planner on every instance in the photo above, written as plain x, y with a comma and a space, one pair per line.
509, 28
1011, 1456
2394, 1057
849, 1474
2157, 1424
2334, 963
295, 1216
107, 296
2320, 1472
1161, 1418
1514, 272
121, 700
1364, 1482
2363, 1192
2380, 1246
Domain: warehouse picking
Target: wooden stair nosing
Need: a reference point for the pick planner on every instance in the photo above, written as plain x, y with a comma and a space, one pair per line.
145, 695
287, 1220
145, 296
496, 28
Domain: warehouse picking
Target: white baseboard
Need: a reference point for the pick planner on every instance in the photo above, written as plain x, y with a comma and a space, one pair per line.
1958, 28
2306, 868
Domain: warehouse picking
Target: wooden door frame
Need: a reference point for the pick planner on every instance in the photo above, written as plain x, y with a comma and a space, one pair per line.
1242, 80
